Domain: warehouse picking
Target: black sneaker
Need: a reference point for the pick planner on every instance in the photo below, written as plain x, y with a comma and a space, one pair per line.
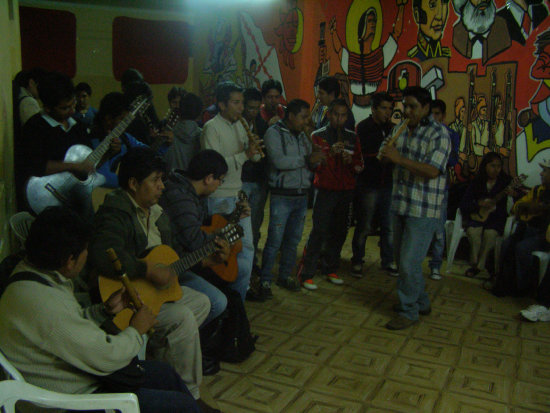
265, 290
289, 283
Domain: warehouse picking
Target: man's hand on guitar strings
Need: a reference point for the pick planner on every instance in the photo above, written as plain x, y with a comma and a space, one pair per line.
246, 210
222, 249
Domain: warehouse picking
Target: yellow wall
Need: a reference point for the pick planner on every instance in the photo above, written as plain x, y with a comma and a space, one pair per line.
10, 56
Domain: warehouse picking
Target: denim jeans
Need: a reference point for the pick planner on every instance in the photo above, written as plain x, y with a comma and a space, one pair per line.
244, 259
330, 226
368, 202
286, 224
412, 238
218, 300
164, 390
438, 243
257, 196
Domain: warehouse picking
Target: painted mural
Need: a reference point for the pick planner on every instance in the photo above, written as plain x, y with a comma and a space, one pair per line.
489, 60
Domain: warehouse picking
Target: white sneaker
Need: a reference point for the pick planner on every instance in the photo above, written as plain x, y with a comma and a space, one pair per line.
309, 284
536, 312
357, 270
435, 275
392, 270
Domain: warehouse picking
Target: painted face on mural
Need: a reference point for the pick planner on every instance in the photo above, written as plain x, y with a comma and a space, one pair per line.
369, 28
541, 68
397, 113
436, 13
290, 28
478, 15
233, 109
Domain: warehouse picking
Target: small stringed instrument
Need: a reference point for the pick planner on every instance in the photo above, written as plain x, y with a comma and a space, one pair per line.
229, 270
153, 296
483, 213
64, 188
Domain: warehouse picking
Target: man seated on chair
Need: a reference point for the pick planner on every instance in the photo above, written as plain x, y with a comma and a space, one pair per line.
516, 253
58, 345
130, 221
46, 136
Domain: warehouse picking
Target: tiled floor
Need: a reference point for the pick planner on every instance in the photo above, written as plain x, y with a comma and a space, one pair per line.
328, 351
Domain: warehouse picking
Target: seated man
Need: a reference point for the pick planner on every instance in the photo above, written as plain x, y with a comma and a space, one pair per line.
130, 221
58, 345
517, 259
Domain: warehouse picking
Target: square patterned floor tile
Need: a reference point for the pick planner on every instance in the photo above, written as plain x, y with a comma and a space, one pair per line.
313, 402
507, 327
285, 323
489, 362
492, 342
480, 385
454, 304
332, 332
302, 348
341, 314
341, 383
535, 350
297, 306
250, 364
382, 341
405, 398
360, 360
418, 373
535, 331
431, 352
531, 396
458, 403
285, 370
448, 318
268, 340
534, 371
439, 333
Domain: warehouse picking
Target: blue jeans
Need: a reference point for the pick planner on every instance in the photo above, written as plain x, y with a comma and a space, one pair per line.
438, 243
163, 390
257, 196
412, 238
218, 300
368, 202
246, 256
286, 224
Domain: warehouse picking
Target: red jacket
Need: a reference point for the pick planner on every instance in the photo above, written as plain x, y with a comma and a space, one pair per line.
334, 174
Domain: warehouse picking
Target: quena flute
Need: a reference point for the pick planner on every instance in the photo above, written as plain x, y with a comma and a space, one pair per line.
392, 140
251, 138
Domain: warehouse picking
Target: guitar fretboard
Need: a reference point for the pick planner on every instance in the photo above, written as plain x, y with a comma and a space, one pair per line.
192, 258
103, 147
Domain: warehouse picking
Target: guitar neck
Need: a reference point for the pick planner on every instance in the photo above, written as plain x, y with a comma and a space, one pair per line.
192, 258
103, 147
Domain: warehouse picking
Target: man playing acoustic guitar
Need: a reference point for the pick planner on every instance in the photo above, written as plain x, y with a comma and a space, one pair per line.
130, 221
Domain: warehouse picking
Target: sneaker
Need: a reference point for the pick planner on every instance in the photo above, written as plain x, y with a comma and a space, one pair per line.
333, 278
309, 284
289, 283
357, 270
435, 275
536, 312
265, 290
392, 270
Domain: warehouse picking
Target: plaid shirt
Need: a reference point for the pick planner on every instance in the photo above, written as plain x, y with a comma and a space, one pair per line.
413, 195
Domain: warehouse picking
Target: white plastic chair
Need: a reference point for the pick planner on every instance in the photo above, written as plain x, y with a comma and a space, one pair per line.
453, 234
544, 260
20, 224
16, 389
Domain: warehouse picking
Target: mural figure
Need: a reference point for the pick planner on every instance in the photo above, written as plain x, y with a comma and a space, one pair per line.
533, 143
364, 59
401, 75
479, 33
522, 17
249, 76
458, 124
431, 18
291, 33
258, 56
480, 126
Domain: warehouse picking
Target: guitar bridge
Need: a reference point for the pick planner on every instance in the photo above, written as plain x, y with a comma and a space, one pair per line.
49, 187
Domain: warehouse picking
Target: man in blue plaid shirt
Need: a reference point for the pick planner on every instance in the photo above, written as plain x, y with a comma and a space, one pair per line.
420, 156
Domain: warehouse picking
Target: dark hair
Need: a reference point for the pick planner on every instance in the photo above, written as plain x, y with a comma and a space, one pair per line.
380, 97
139, 163
252, 94
223, 93
137, 88
113, 104
422, 15
23, 78
330, 85
204, 163
419, 93
83, 87
55, 87
190, 106
175, 92
55, 235
129, 76
480, 180
542, 41
295, 106
271, 84
338, 102
438, 103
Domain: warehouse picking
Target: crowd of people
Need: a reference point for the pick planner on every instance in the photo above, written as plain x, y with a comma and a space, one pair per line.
170, 182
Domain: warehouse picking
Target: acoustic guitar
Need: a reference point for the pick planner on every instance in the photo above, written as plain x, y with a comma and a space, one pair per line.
153, 296
229, 270
64, 188
483, 213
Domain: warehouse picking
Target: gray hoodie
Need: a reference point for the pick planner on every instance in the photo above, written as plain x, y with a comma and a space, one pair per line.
186, 144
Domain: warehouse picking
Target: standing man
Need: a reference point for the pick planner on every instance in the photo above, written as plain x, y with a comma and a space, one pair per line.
271, 110
254, 174
329, 90
374, 184
420, 157
335, 182
290, 157
226, 135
